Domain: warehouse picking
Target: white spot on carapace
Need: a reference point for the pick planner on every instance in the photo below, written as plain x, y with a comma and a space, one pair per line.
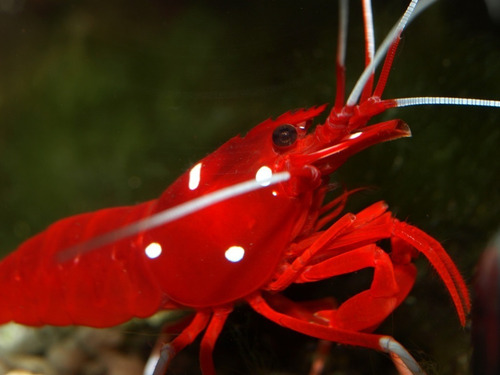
274, 193
355, 135
153, 250
234, 254
194, 176
263, 176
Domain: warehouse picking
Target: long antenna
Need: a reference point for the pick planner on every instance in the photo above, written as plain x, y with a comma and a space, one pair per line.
411, 12
444, 100
171, 214
379, 55
341, 49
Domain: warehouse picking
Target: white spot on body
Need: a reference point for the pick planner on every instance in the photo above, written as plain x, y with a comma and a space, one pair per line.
355, 135
194, 176
153, 250
264, 175
234, 254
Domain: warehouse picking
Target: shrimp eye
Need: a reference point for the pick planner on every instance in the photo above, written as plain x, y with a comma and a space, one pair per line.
284, 135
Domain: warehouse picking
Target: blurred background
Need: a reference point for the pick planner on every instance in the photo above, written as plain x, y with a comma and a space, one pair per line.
106, 103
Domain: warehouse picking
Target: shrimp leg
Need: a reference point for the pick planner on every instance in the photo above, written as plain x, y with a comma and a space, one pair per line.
188, 335
402, 359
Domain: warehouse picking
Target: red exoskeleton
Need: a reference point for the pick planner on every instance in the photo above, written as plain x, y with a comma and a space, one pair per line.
247, 247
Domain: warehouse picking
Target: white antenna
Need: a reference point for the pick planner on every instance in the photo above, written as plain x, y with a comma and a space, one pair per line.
370, 35
411, 12
443, 100
171, 214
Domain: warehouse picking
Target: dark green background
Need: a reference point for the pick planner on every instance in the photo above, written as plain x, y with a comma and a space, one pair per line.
104, 103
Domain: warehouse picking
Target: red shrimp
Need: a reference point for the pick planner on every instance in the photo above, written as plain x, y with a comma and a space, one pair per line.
250, 246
